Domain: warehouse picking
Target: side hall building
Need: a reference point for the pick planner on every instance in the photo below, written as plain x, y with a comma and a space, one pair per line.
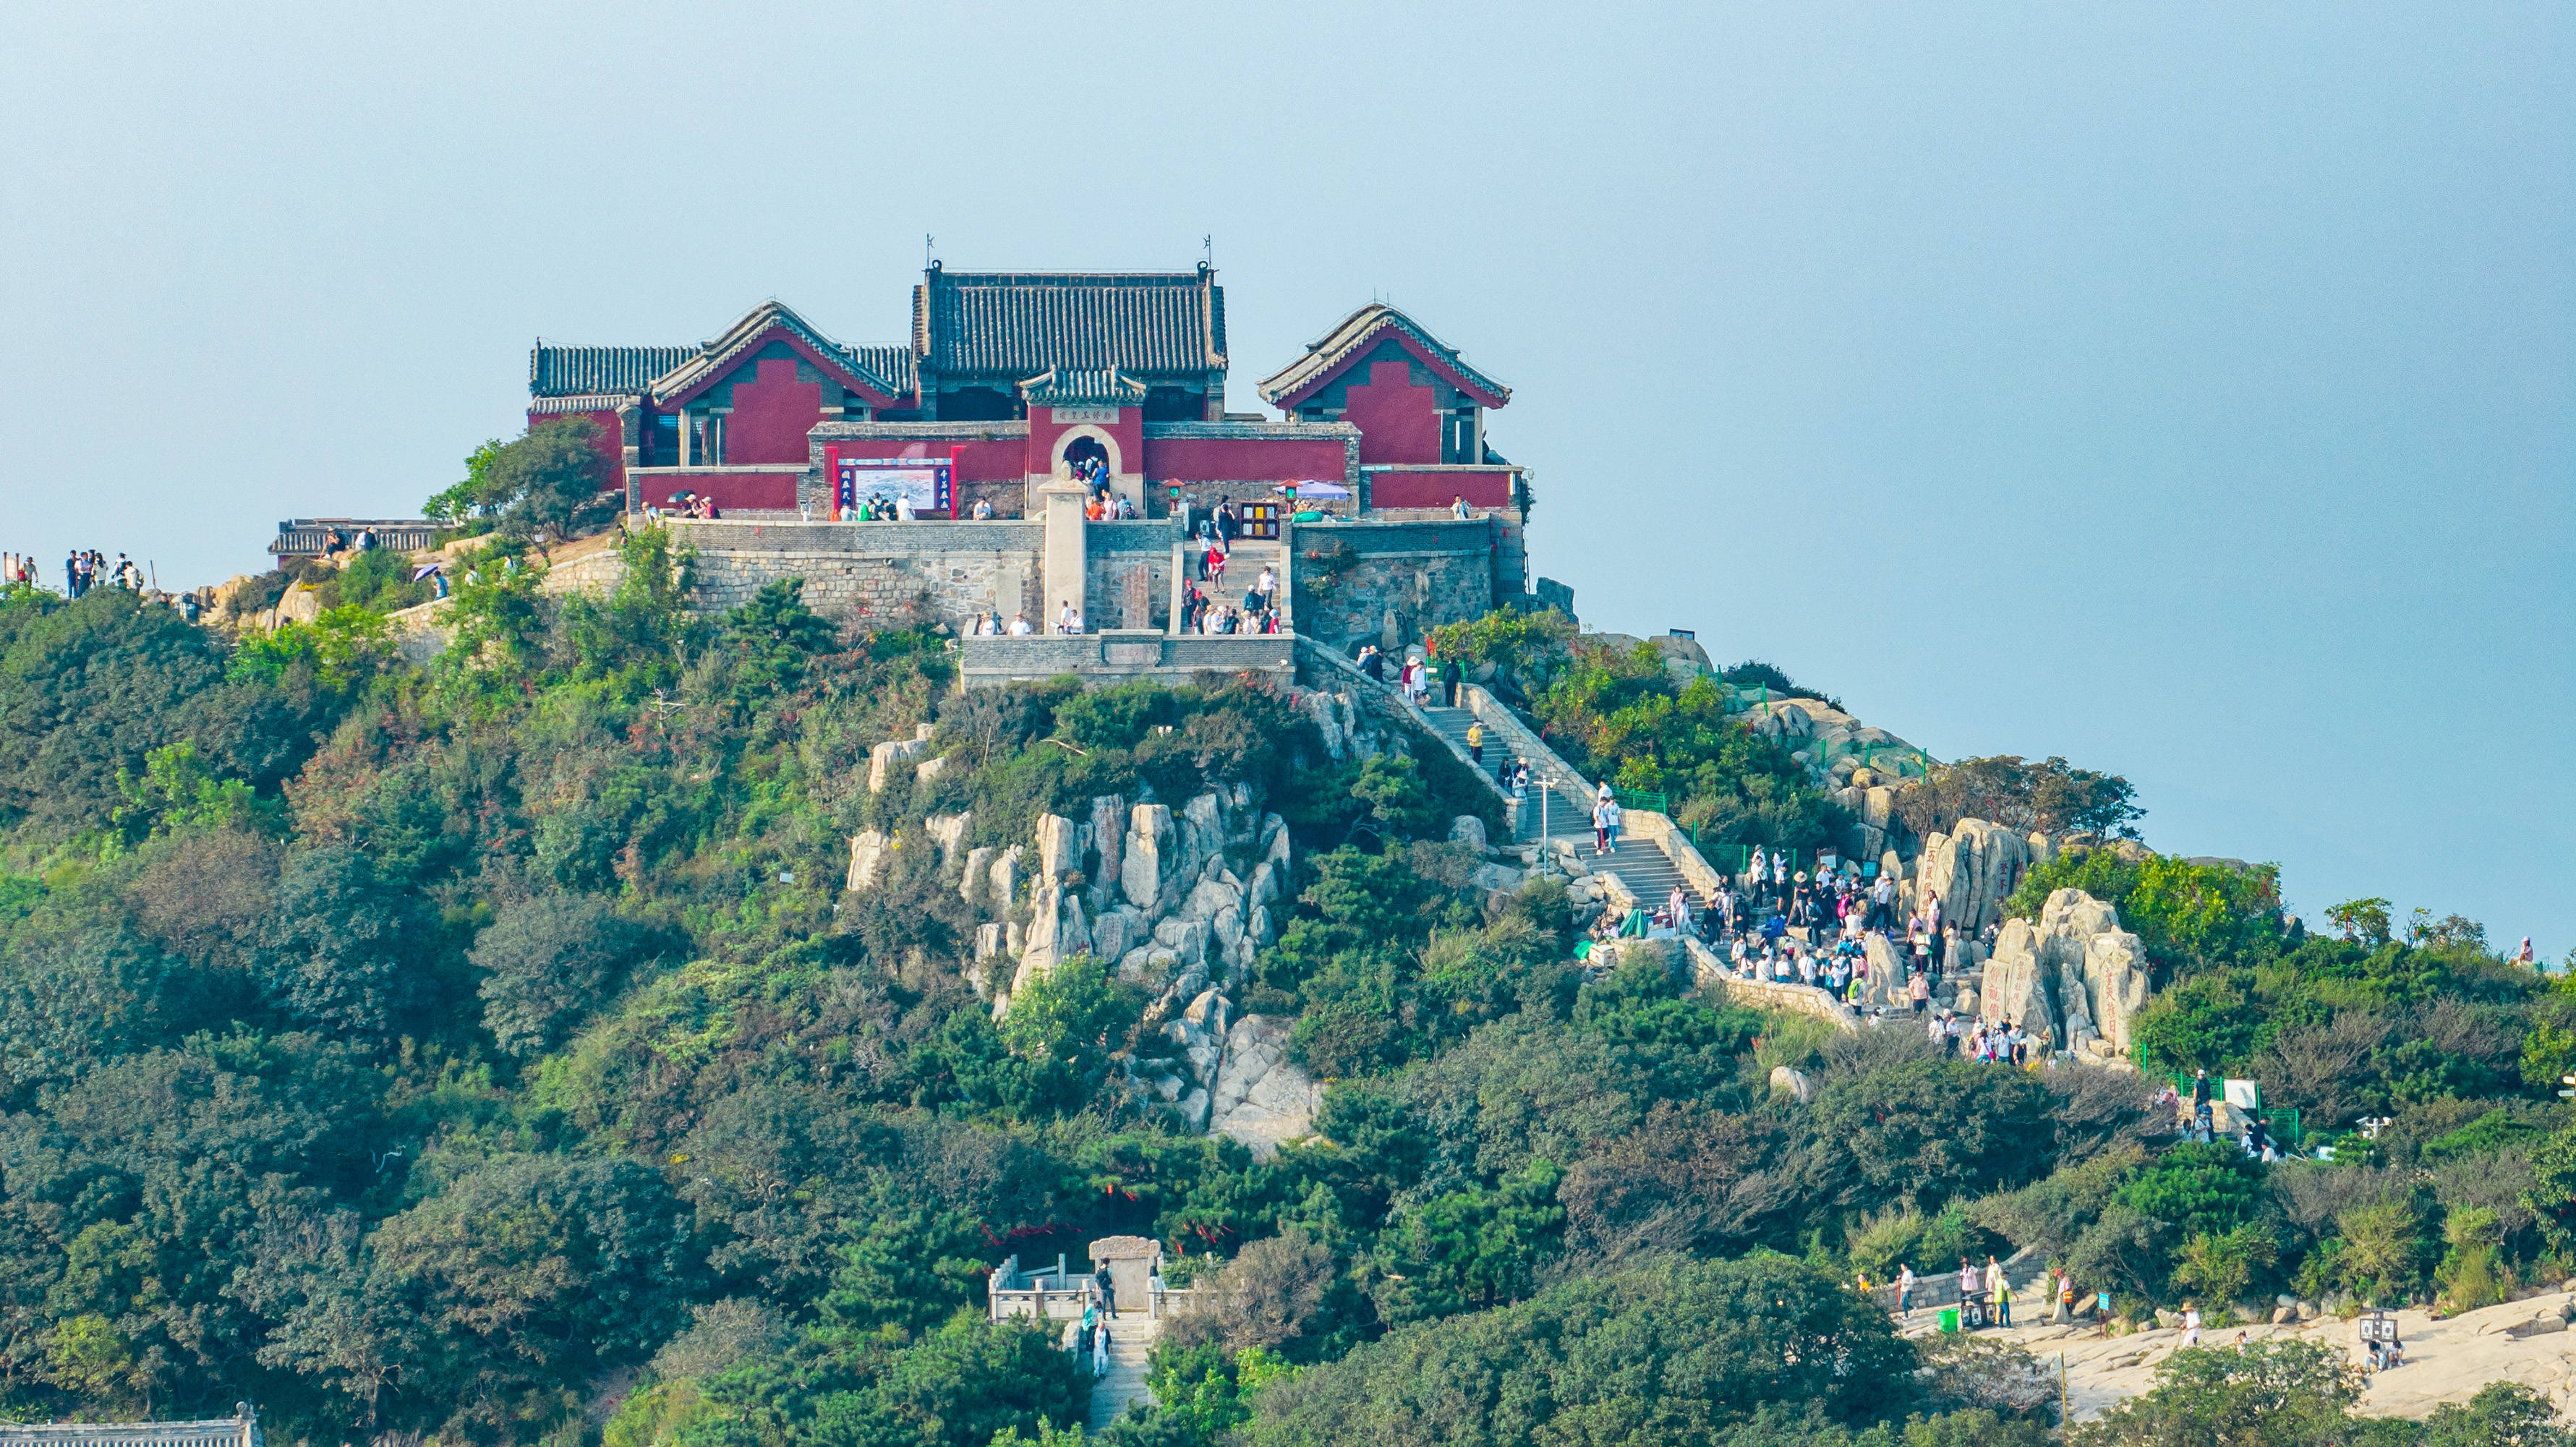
1010, 379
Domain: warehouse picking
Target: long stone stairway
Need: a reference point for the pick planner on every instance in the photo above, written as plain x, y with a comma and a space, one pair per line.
1641, 864
1131, 1341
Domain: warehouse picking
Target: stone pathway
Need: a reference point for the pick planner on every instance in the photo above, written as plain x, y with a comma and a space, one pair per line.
2447, 1361
1641, 865
1131, 1341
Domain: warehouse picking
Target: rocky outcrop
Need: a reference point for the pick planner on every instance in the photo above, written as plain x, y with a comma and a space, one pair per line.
2075, 973
868, 851
1837, 749
1972, 870
883, 759
1105, 844
948, 831
1059, 849
1261, 1097
1149, 840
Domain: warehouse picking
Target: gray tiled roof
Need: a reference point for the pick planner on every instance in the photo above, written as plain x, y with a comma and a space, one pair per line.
1355, 332
895, 364
567, 371
584, 402
712, 359
1063, 387
1020, 323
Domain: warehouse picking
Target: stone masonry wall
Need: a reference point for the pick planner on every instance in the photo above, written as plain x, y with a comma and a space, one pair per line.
1399, 582
858, 570
1115, 552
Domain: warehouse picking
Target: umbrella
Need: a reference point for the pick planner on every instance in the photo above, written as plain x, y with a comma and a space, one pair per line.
1315, 489
424, 570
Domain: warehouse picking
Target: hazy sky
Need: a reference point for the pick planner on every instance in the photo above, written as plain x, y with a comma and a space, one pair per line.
2185, 390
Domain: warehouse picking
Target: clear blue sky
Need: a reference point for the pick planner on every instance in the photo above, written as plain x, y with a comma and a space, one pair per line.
2183, 390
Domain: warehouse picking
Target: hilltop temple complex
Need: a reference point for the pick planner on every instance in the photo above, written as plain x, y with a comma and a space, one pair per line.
1009, 378
1055, 438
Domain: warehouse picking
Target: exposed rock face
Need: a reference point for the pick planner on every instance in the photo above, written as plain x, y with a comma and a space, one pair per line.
2016, 986
1149, 839
867, 858
1058, 849
1171, 914
1261, 1098
948, 831
1107, 832
1005, 896
1469, 830
1794, 1082
1972, 870
1886, 984
883, 759
2075, 973
929, 769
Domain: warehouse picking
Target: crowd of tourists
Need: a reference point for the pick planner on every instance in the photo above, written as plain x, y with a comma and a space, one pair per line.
88, 568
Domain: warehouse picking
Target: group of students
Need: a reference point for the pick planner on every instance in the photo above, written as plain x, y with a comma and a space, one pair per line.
1993, 1287
1983, 1043
87, 568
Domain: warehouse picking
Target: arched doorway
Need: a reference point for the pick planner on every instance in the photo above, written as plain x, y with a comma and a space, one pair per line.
1084, 450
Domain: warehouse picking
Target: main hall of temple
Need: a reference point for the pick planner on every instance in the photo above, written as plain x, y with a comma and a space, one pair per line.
1011, 379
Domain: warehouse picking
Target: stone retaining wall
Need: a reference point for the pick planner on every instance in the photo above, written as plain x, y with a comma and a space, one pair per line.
1124, 655
1708, 970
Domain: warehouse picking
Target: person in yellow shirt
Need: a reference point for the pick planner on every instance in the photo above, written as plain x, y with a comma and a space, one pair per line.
1476, 742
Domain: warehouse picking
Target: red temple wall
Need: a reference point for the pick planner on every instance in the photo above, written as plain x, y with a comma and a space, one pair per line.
1398, 421
772, 412
977, 461
1233, 459
727, 489
1437, 488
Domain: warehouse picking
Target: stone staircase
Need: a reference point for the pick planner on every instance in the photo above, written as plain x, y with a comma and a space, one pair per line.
1131, 1341
1641, 865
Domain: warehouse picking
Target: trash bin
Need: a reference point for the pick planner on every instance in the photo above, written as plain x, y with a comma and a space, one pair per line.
1949, 1318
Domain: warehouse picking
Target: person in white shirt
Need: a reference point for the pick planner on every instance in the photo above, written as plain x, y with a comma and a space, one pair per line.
1019, 625
983, 509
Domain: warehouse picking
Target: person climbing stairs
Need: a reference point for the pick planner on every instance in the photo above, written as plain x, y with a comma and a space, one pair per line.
1641, 864
1131, 1341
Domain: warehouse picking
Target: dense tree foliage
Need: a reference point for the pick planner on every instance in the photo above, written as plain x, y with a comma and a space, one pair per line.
490, 1051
